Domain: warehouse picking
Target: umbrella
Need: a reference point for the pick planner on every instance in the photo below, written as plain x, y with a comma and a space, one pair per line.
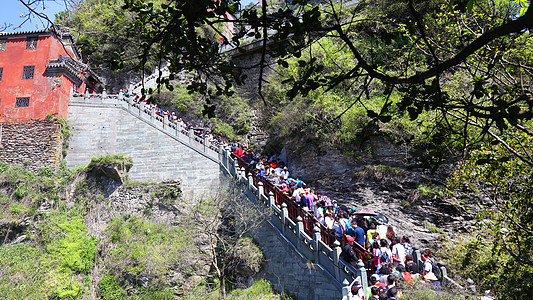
381, 219
365, 212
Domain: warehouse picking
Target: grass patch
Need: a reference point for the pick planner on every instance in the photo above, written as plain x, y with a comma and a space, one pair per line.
429, 191
432, 228
115, 159
428, 293
378, 172
53, 264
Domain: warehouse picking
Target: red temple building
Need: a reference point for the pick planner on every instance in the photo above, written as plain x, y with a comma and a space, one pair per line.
38, 69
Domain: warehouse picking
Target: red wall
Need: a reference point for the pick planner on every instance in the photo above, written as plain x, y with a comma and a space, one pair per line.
48, 92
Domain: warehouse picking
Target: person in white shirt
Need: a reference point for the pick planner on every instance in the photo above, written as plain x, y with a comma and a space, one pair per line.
285, 173
296, 195
398, 252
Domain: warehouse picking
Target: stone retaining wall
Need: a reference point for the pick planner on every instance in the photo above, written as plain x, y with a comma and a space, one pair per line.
31, 145
104, 129
290, 271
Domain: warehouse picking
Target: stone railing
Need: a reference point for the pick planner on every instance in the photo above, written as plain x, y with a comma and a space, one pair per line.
298, 228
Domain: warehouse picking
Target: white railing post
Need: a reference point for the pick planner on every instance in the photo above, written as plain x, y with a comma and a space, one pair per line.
260, 190
300, 227
242, 174
361, 273
316, 243
336, 257
284, 217
250, 184
236, 165
191, 136
346, 289
271, 200
417, 258
227, 156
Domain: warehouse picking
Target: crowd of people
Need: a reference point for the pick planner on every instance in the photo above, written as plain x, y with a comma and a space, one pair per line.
365, 236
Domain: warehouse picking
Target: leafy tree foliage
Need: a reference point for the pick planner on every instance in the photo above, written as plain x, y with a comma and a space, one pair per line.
467, 63
505, 223
102, 33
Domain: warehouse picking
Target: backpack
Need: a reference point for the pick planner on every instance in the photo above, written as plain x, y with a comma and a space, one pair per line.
384, 258
435, 269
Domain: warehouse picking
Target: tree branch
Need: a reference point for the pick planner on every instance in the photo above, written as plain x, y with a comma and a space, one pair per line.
515, 26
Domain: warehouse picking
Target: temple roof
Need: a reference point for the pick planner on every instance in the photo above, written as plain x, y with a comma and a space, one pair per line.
73, 68
61, 33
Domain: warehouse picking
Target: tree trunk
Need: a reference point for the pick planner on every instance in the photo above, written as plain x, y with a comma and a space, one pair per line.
222, 285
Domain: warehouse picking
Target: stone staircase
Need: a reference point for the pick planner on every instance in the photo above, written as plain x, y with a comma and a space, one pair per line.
109, 124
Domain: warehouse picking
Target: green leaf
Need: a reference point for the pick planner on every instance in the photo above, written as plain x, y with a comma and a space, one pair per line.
470, 5
514, 110
483, 161
371, 114
385, 119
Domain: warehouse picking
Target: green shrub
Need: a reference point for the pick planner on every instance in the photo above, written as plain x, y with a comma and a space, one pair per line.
225, 130
69, 242
4, 199
428, 293
3, 167
247, 253
18, 209
109, 288
380, 172
23, 273
66, 286
46, 172
428, 191
50, 118
143, 247
432, 228
488, 265
168, 194
261, 290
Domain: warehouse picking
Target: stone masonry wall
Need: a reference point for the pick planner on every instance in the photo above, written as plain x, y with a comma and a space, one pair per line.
31, 145
105, 129
289, 271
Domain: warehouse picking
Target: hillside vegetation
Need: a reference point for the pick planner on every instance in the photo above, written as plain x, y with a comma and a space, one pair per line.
447, 82
77, 234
